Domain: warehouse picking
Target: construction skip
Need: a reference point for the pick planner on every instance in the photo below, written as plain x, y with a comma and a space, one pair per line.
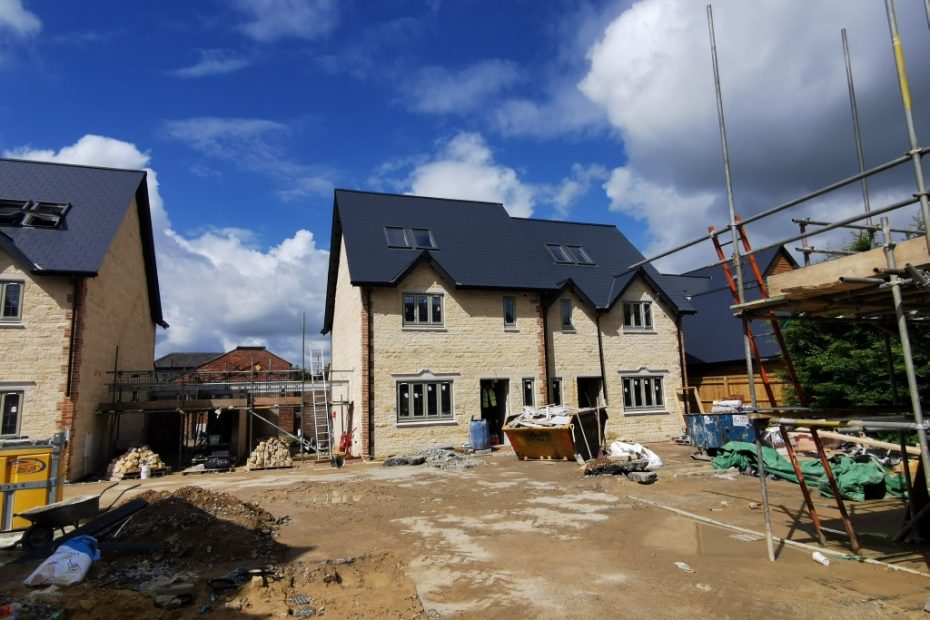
557, 432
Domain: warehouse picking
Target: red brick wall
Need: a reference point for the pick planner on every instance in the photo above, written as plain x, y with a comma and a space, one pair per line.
66, 407
365, 422
542, 388
245, 360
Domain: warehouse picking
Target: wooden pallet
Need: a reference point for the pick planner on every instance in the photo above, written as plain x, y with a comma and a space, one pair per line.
136, 475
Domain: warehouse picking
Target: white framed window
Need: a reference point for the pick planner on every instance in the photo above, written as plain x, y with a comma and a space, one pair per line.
529, 394
11, 302
565, 308
637, 315
423, 310
643, 391
510, 311
424, 401
10, 412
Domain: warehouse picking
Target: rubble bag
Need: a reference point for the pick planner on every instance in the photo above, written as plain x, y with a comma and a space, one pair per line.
69, 564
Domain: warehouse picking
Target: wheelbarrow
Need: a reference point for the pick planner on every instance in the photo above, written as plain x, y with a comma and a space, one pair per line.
46, 519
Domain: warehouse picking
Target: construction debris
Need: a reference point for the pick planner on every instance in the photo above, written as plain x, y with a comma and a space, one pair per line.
129, 465
269, 454
443, 458
613, 465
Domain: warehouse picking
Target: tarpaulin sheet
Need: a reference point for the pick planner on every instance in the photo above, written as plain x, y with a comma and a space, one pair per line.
856, 481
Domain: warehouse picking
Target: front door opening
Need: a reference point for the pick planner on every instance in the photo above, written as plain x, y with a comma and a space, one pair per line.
589, 391
494, 407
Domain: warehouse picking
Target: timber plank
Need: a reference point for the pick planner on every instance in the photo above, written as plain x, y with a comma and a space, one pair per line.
861, 265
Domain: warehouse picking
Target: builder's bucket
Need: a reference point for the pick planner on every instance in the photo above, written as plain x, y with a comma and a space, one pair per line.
480, 436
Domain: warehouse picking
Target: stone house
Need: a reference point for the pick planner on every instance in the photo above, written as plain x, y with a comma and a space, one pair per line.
80, 298
441, 311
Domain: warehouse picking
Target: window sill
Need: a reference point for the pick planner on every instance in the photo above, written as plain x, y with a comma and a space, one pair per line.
424, 328
571, 330
633, 330
511, 328
12, 325
420, 423
640, 412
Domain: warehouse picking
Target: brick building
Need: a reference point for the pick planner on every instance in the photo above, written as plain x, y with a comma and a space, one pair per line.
445, 310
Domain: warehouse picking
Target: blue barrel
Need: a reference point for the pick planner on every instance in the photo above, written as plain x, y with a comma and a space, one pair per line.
480, 436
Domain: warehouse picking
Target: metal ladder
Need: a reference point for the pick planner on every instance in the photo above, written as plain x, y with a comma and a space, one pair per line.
319, 406
773, 320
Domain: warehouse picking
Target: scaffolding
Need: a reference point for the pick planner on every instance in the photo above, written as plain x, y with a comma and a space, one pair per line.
895, 287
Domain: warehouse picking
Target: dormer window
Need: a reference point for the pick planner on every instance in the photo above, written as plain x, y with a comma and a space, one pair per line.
404, 237
569, 254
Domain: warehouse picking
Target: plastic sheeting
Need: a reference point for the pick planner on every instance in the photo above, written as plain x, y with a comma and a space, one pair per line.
856, 481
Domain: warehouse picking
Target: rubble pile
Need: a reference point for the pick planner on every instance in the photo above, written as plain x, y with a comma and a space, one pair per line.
199, 525
270, 453
443, 458
130, 463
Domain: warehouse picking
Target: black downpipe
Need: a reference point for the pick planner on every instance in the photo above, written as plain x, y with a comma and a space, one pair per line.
73, 338
600, 352
545, 304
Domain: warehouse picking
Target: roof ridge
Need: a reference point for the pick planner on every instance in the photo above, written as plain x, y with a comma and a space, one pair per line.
544, 220
69, 165
421, 197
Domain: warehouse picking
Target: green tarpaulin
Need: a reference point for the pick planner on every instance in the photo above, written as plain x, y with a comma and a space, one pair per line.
856, 481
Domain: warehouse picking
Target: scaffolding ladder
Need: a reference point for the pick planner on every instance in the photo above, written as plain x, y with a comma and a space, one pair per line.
319, 406
747, 323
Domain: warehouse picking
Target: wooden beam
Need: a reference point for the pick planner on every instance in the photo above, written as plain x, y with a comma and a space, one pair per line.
863, 265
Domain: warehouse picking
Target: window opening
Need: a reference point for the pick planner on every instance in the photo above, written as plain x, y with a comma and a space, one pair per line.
510, 311
566, 307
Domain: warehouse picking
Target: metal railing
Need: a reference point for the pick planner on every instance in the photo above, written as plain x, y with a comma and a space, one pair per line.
146, 386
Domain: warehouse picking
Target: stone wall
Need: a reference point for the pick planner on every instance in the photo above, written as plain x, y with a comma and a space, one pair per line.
35, 350
473, 345
347, 353
117, 316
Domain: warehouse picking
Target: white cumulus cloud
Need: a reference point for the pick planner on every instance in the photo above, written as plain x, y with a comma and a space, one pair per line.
220, 288
785, 99
465, 168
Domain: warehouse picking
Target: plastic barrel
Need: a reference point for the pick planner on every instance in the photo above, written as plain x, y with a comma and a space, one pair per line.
480, 436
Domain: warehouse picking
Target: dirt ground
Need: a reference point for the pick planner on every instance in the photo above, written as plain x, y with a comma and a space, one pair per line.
506, 539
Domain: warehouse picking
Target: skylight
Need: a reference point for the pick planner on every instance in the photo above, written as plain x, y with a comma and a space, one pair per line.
396, 237
31, 213
403, 237
569, 254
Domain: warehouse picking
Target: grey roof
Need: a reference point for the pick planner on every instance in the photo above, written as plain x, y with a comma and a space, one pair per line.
184, 360
480, 246
713, 335
99, 199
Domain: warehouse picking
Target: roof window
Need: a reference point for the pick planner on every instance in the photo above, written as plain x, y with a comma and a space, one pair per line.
31, 213
569, 254
402, 237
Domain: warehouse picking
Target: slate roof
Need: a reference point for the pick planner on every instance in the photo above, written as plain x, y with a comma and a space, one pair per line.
99, 198
713, 334
480, 246
184, 360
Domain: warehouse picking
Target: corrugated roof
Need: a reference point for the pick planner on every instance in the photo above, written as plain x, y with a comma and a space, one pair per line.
478, 245
99, 198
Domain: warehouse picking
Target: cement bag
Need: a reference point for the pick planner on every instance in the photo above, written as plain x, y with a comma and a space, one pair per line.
69, 564
619, 448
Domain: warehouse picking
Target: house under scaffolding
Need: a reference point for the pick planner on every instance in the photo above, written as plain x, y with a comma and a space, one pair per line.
196, 415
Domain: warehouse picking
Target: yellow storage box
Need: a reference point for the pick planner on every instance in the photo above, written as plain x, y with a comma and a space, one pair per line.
31, 475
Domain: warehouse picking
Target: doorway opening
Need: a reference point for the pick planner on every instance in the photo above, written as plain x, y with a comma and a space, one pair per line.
589, 392
494, 407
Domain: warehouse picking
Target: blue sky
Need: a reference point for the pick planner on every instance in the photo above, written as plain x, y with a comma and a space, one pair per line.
249, 112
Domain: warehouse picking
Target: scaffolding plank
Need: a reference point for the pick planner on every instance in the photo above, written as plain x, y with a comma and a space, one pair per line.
826, 275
